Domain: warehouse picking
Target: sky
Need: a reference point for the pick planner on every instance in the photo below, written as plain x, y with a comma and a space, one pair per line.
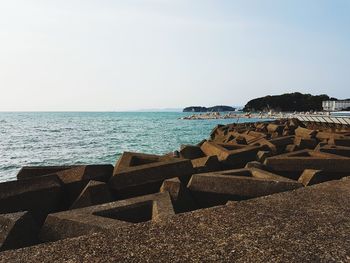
114, 55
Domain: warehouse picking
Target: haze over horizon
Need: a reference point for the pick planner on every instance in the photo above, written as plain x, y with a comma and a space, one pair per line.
127, 55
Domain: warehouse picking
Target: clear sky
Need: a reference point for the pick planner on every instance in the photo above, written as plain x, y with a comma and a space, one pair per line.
124, 55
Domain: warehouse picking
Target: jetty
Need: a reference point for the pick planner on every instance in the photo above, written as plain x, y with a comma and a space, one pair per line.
251, 192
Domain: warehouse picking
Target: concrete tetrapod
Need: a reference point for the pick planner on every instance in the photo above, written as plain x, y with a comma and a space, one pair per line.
104, 217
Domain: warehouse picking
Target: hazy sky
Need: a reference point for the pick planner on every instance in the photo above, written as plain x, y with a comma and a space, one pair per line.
122, 55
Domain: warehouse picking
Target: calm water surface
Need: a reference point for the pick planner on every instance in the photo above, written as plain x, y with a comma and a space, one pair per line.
61, 138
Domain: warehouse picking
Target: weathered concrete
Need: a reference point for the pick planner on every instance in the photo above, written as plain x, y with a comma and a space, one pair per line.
108, 216
305, 133
191, 152
333, 149
230, 154
328, 135
255, 164
18, 230
206, 164
306, 159
180, 196
311, 177
85, 173
291, 148
256, 172
262, 155
310, 224
281, 142
38, 194
27, 172
215, 189
74, 180
340, 142
303, 143
275, 128
147, 178
132, 159
268, 145
93, 194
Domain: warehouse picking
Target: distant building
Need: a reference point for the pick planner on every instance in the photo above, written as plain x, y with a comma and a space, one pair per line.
335, 105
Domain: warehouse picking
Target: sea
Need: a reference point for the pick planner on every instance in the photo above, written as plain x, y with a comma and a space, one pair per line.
64, 138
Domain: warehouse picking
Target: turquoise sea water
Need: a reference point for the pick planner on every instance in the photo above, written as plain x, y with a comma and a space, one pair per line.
61, 138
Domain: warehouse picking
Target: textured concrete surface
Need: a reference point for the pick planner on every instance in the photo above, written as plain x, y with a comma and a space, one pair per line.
108, 216
309, 224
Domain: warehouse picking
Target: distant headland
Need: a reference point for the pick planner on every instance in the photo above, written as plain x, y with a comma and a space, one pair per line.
288, 102
219, 108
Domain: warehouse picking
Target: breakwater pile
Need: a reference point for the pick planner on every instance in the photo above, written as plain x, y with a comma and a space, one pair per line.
148, 205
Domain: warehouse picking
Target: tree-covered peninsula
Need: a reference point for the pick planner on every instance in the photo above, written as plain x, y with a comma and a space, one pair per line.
287, 102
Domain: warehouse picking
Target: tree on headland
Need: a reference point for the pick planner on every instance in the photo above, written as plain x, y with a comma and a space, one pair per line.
287, 102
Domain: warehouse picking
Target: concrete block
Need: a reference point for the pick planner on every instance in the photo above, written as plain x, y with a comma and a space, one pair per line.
333, 149
191, 152
68, 174
306, 159
304, 143
340, 142
320, 144
266, 144
240, 140
287, 132
216, 189
216, 131
328, 135
311, 177
147, 178
201, 142
38, 194
18, 230
305, 133
86, 173
281, 142
231, 155
27, 172
254, 172
206, 164
246, 137
107, 217
261, 127
275, 135
291, 148
132, 159
256, 135
274, 128
263, 174
255, 164
262, 155
180, 196
74, 180
94, 193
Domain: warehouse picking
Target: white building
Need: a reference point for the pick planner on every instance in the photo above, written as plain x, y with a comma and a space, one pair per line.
335, 105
